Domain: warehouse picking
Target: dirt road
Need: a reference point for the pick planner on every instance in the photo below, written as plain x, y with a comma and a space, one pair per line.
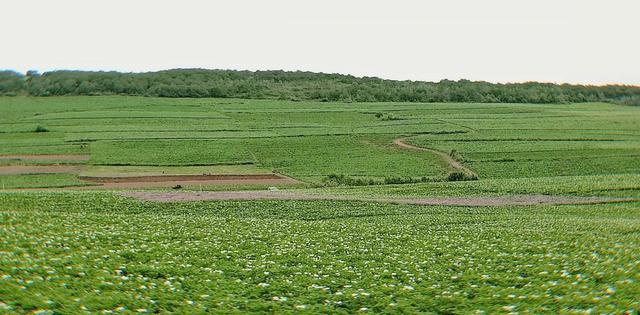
519, 200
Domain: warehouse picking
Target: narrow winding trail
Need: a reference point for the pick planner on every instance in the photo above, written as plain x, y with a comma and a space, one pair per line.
446, 157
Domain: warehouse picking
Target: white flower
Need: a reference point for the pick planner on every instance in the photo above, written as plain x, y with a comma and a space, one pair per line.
509, 307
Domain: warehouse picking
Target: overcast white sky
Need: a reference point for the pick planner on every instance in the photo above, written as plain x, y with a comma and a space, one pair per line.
577, 41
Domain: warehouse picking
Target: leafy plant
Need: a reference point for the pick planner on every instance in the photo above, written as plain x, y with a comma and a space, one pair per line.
40, 128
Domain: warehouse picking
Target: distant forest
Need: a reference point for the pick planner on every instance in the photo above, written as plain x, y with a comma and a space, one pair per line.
301, 86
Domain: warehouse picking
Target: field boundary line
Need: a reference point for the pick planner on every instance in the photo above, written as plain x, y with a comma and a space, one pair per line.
514, 200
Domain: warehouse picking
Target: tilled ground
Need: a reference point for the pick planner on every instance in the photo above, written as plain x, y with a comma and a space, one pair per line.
164, 178
169, 181
522, 200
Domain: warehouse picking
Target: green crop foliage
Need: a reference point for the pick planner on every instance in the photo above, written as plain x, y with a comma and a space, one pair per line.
316, 157
53, 180
89, 251
95, 252
313, 141
174, 152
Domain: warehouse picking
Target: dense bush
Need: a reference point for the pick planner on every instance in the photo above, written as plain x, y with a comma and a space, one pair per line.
11, 83
41, 129
343, 180
302, 86
461, 176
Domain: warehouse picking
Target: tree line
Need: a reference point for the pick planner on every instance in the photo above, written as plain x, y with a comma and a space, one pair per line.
302, 86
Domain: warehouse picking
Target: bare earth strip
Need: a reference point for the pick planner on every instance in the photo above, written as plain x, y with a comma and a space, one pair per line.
521, 200
170, 184
47, 157
184, 180
38, 169
164, 178
451, 161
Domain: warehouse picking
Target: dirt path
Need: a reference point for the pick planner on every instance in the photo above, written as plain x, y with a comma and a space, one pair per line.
184, 183
451, 161
37, 169
164, 178
169, 181
47, 157
519, 200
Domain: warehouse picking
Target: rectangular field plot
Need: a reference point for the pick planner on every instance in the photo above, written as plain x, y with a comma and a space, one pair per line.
625, 185
140, 124
38, 143
126, 114
40, 181
538, 154
74, 148
313, 158
124, 171
558, 167
169, 152
529, 146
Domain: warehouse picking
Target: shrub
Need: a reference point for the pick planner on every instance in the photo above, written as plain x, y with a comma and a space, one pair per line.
461, 176
336, 180
343, 180
41, 129
387, 116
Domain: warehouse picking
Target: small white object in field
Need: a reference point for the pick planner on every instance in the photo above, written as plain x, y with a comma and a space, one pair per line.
273, 188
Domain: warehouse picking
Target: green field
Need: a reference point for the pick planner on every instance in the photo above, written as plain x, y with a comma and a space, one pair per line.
310, 140
97, 251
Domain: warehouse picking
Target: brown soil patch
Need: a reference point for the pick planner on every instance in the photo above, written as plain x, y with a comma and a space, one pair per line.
517, 200
47, 157
171, 184
220, 195
175, 178
35, 169
521, 200
169, 181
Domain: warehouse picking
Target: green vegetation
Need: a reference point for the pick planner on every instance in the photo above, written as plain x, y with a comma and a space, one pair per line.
90, 251
41, 129
328, 143
302, 86
115, 171
624, 185
95, 252
371, 157
173, 152
52, 180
